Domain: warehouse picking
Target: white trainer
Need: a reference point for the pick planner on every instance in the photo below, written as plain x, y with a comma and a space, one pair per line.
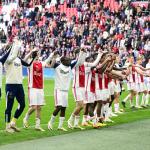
25, 123
9, 130
50, 126
138, 107
70, 124
108, 120
79, 127
113, 114
39, 129
14, 127
62, 129
118, 112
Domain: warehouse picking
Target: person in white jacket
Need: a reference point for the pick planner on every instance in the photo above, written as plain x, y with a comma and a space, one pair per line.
62, 82
3, 58
14, 88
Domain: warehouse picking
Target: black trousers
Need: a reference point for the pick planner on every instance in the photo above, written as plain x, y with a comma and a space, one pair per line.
14, 91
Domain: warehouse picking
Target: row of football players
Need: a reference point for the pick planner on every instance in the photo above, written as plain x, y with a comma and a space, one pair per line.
90, 86
138, 83
96, 83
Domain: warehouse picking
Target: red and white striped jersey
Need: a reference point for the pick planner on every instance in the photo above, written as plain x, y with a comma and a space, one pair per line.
90, 74
101, 81
138, 78
35, 75
110, 79
148, 72
79, 77
131, 76
89, 80
113, 80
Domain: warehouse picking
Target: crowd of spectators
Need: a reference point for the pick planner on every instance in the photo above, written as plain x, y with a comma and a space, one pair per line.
125, 30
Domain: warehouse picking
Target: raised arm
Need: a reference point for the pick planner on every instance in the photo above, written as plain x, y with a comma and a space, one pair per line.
26, 64
81, 58
4, 57
117, 75
101, 65
53, 63
114, 76
14, 51
95, 63
110, 67
52, 57
33, 52
128, 70
142, 68
141, 72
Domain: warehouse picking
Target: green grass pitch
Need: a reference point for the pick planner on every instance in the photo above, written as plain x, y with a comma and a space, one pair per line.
29, 134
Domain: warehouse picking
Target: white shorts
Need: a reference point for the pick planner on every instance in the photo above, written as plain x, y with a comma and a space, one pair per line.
148, 86
89, 97
102, 94
79, 94
140, 87
117, 88
36, 97
131, 86
61, 98
111, 87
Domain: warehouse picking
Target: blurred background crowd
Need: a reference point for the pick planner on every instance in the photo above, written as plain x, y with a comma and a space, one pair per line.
62, 25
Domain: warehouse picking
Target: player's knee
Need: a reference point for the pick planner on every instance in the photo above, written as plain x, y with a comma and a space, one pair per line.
77, 110
63, 109
39, 108
34, 107
80, 108
10, 96
134, 93
79, 105
90, 109
112, 97
59, 107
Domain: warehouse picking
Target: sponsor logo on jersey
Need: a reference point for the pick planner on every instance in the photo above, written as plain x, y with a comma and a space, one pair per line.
37, 73
63, 72
81, 73
17, 64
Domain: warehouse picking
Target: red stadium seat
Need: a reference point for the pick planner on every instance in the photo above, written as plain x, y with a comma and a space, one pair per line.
0, 9
40, 23
61, 8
